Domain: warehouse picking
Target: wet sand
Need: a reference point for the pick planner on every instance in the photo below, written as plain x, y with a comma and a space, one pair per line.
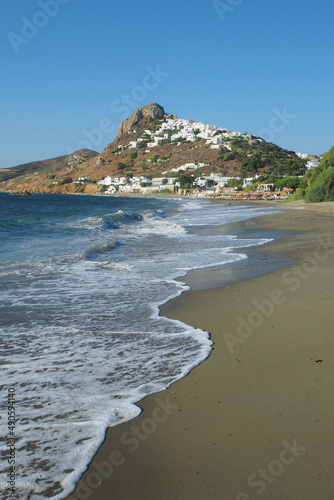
256, 419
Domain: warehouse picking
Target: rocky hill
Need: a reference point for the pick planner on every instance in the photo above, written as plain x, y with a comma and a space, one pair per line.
153, 143
40, 171
150, 112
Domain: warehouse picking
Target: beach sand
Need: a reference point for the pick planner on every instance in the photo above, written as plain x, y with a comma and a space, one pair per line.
256, 419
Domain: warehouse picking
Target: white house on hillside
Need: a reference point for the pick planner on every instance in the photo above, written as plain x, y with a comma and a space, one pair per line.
312, 164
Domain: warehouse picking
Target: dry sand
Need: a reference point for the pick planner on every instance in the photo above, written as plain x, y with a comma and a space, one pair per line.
256, 419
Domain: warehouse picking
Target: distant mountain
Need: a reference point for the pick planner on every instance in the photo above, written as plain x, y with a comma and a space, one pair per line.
153, 143
48, 167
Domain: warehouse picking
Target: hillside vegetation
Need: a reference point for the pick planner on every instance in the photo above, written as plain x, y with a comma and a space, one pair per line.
317, 185
255, 157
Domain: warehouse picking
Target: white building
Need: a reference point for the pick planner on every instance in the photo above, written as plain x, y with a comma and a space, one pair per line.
312, 164
201, 181
249, 180
158, 181
303, 156
107, 181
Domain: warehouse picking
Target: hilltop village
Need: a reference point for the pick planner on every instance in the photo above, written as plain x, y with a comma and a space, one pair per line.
155, 152
177, 180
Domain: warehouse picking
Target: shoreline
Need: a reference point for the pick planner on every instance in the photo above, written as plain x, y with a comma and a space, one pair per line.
195, 439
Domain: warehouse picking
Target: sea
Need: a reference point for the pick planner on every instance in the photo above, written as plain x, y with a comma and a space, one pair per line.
82, 278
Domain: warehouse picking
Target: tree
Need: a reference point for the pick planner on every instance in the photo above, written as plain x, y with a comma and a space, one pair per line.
222, 152
230, 157
322, 188
66, 180
327, 160
164, 181
235, 183
288, 182
211, 183
186, 181
314, 181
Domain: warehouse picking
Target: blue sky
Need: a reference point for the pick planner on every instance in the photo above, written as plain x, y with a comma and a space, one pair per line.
73, 69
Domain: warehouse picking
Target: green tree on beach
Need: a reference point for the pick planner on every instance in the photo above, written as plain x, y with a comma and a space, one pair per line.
235, 183
320, 180
322, 188
186, 181
288, 182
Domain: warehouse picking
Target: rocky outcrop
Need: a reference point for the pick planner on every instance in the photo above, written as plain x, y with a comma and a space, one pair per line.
79, 157
151, 111
99, 162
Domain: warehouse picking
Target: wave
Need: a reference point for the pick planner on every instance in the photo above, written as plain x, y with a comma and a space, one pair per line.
96, 250
115, 220
110, 221
153, 224
132, 224
116, 266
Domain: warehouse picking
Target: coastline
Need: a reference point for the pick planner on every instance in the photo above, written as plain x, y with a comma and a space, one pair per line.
259, 392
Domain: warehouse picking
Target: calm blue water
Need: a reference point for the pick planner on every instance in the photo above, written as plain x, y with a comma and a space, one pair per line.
81, 280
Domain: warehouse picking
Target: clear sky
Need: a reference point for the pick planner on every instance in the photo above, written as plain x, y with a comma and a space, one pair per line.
72, 70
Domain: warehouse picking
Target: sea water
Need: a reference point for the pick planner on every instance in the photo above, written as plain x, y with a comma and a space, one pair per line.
82, 341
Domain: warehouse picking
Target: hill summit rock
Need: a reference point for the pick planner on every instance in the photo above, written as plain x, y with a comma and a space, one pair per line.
151, 111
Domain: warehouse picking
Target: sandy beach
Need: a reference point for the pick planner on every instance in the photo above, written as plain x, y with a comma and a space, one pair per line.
255, 420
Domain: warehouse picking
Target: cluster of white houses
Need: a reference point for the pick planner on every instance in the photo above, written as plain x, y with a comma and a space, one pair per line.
144, 184
311, 163
211, 184
187, 130
188, 166
174, 129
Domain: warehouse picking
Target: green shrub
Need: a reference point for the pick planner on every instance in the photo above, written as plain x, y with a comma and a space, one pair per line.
66, 180
163, 191
235, 183
288, 182
296, 196
322, 188
81, 189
